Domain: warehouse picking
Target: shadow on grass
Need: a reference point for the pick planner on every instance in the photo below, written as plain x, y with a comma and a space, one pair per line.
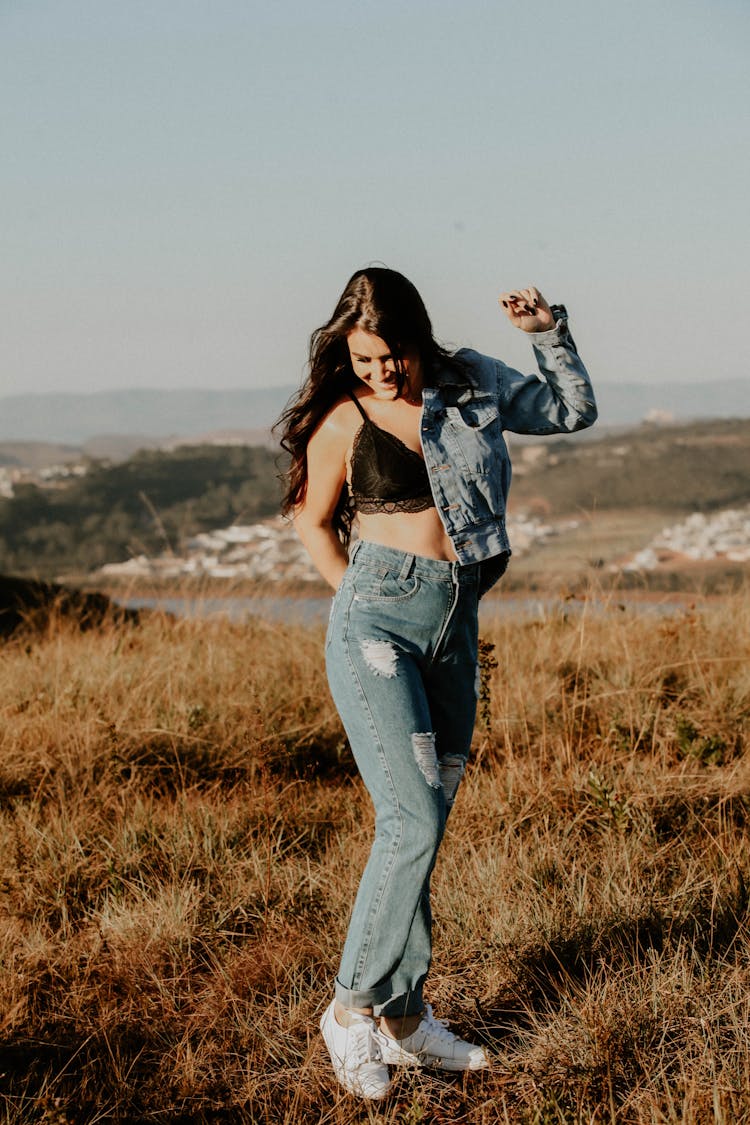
543, 973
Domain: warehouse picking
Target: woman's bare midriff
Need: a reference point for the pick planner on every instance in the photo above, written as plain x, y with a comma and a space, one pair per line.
417, 533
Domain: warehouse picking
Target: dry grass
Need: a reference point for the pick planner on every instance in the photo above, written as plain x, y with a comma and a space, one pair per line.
182, 832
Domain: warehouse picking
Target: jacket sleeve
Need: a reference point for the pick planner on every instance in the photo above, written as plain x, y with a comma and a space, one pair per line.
559, 400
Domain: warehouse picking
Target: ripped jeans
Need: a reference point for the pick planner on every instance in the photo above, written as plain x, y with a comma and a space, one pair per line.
401, 655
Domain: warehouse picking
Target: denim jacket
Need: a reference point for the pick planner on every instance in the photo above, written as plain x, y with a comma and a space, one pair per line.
463, 417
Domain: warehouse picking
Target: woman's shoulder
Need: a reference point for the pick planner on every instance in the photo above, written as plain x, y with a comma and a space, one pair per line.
467, 367
340, 421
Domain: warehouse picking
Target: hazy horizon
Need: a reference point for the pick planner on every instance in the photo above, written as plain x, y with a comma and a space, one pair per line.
75, 418
279, 387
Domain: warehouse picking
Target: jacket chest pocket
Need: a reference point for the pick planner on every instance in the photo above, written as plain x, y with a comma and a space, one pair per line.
473, 432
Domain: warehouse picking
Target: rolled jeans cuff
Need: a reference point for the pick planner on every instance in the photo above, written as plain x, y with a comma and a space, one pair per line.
380, 1000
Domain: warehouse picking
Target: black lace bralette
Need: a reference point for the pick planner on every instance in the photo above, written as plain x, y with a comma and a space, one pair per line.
386, 476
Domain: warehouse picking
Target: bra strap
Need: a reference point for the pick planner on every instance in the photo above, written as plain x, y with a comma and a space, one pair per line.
358, 405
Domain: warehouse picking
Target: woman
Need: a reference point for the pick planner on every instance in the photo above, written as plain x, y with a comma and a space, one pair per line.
393, 430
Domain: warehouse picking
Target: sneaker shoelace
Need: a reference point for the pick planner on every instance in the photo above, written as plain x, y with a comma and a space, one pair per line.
361, 1046
437, 1028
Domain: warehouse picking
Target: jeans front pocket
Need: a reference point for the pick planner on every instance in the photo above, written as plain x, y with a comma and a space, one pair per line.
384, 586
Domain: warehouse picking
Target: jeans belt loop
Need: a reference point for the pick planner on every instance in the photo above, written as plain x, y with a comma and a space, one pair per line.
406, 567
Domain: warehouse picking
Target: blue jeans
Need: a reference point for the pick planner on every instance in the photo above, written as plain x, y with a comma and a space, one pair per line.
401, 655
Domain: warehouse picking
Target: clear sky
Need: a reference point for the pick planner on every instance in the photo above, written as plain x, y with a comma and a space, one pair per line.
188, 184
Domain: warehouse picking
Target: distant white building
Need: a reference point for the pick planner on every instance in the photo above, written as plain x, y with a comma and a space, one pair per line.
272, 551
6, 483
700, 537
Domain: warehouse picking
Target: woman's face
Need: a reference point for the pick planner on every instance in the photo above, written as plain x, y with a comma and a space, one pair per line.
373, 363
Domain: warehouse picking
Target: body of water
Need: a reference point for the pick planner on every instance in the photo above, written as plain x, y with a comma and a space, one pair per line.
314, 610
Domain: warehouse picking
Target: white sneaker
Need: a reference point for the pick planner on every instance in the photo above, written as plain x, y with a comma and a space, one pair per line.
355, 1054
432, 1044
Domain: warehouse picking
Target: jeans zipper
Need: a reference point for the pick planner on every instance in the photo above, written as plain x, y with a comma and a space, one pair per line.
455, 590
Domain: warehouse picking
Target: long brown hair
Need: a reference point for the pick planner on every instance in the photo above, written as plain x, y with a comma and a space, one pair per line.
386, 304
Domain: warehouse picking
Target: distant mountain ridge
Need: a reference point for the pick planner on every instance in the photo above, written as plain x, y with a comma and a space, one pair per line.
70, 418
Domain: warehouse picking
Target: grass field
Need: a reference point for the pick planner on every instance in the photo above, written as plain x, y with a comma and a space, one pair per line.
182, 833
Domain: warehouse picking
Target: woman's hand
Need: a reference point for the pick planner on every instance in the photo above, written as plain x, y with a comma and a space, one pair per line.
527, 309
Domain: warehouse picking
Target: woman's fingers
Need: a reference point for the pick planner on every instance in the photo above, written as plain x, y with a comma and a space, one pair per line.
530, 298
527, 309
519, 301
510, 300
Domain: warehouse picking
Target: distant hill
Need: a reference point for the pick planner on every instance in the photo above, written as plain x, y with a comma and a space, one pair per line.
146, 504
77, 418
626, 404
696, 467
37, 454
158, 414
156, 499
